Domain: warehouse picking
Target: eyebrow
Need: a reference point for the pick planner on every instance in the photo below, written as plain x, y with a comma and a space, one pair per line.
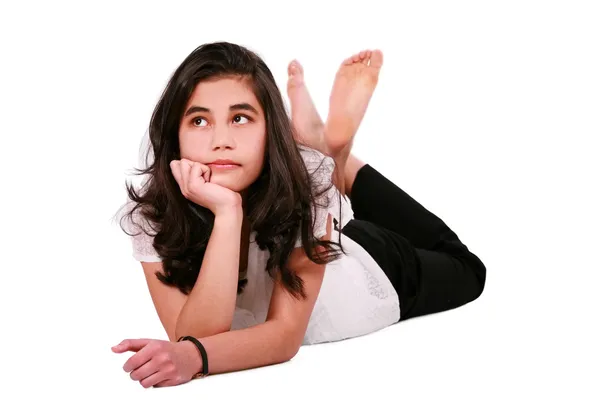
233, 107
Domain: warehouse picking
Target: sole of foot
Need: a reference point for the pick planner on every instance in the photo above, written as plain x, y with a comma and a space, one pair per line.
307, 122
354, 85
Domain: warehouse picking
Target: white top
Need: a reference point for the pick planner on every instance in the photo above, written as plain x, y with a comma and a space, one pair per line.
356, 297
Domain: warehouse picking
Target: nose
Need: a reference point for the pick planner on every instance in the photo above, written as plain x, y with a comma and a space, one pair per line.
222, 138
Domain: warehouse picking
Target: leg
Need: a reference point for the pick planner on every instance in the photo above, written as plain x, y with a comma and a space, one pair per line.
426, 281
430, 268
378, 200
307, 123
353, 87
353, 165
428, 265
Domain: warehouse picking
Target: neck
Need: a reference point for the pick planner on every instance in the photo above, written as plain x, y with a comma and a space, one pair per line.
244, 194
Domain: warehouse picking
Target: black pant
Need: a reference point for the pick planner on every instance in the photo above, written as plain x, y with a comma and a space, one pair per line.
430, 268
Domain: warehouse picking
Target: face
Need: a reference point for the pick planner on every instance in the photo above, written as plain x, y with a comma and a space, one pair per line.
224, 128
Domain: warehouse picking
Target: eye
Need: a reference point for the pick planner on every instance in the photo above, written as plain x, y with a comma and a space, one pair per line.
241, 119
195, 121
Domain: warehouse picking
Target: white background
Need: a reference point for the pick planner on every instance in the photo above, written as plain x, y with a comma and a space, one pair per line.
486, 112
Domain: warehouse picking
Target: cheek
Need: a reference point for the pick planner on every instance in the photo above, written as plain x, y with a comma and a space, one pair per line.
254, 153
253, 145
261, 144
192, 146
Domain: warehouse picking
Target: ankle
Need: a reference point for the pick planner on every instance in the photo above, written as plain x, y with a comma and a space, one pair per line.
351, 168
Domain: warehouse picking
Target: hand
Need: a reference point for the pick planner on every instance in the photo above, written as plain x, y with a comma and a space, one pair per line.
193, 179
160, 363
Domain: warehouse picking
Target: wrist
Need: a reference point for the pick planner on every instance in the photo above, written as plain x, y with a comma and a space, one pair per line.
230, 212
195, 359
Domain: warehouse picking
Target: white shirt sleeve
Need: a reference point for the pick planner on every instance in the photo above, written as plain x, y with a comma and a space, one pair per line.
143, 249
321, 169
142, 239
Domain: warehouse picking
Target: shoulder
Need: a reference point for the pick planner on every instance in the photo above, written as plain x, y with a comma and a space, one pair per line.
320, 168
141, 232
317, 162
133, 220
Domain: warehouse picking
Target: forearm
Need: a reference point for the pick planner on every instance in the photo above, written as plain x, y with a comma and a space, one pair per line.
211, 303
261, 345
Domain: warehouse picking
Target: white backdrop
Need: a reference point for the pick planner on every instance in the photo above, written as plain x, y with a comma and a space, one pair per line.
486, 112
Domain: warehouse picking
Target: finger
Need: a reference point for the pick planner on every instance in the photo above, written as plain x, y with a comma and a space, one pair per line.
145, 370
168, 382
154, 379
176, 171
130, 345
206, 172
186, 167
196, 174
140, 358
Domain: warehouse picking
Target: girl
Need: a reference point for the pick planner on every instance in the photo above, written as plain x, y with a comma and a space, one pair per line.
247, 239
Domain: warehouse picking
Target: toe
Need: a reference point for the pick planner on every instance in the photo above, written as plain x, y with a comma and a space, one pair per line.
376, 59
295, 69
366, 56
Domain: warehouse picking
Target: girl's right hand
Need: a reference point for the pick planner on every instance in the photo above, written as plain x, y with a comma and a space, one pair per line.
193, 179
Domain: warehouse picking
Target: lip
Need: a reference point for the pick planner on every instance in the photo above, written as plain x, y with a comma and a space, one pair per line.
224, 164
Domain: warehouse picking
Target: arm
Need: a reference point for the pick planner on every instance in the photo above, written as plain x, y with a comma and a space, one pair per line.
277, 340
280, 337
211, 303
210, 306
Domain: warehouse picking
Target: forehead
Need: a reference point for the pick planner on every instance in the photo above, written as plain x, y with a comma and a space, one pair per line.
222, 93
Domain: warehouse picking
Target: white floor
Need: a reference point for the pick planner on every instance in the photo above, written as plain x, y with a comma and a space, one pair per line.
486, 113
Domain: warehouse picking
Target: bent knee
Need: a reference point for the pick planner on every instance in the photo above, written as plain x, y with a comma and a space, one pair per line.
480, 272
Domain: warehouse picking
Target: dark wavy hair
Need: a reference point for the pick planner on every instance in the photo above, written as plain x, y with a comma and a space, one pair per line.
279, 203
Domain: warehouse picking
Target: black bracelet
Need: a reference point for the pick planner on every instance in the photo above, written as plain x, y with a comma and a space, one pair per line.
202, 351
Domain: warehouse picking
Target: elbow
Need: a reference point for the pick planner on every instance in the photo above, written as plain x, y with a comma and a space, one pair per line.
289, 349
291, 341
290, 353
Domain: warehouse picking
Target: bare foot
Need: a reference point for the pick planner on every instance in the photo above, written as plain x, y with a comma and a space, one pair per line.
354, 85
307, 123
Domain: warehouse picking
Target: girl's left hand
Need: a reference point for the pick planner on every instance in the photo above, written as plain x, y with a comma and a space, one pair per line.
160, 363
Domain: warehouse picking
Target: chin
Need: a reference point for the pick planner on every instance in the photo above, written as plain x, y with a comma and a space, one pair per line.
230, 183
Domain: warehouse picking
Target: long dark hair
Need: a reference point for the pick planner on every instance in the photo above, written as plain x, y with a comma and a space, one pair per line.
279, 203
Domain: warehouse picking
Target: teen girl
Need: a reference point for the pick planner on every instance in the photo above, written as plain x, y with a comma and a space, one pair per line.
246, 234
